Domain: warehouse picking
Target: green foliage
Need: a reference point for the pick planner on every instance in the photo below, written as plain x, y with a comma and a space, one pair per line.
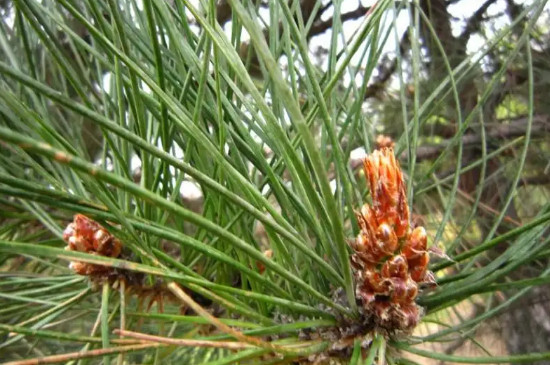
112, 109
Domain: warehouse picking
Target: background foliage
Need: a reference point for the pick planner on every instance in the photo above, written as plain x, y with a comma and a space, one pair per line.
204, 134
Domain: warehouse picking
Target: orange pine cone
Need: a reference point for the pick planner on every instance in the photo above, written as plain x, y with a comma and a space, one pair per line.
86, 235
390, 259
387, 188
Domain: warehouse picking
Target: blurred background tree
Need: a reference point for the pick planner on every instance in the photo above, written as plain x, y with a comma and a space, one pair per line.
221, 142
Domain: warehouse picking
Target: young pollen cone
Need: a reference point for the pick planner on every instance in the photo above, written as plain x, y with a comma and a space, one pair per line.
390, 258
86, 235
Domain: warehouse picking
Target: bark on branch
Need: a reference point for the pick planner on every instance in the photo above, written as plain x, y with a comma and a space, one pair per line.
474, 22
322, 26
515, 128
502, 131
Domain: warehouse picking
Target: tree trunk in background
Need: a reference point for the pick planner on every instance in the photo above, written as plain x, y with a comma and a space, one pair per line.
526, 325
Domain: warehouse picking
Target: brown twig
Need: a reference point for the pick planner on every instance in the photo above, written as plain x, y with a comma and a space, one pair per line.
187, 300
184, 341
488, 209
83, 354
